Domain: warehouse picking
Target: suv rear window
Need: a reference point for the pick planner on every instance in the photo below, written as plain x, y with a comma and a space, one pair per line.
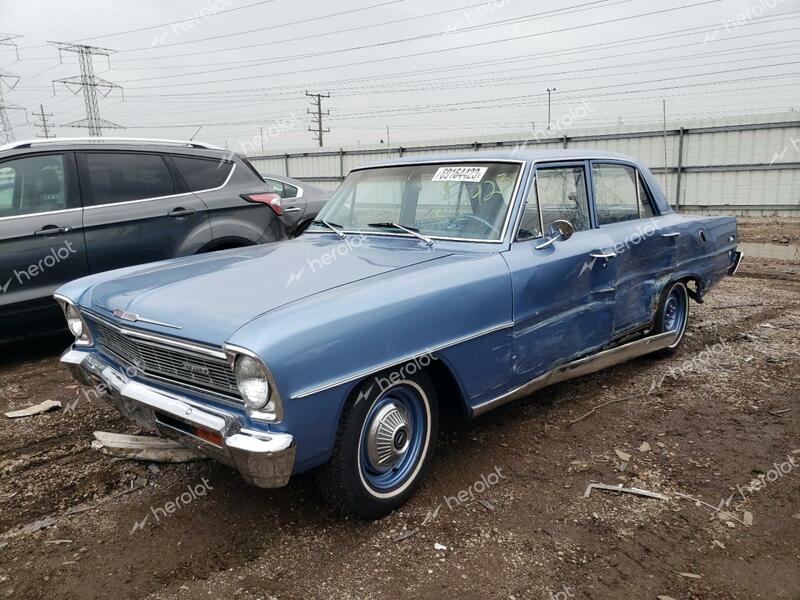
122, 177
202, 174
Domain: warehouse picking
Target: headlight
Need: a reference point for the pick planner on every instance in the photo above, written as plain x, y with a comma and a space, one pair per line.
253, 382
77, 326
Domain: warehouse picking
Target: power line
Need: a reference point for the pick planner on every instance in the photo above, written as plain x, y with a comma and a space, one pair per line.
298, 22
316, 100
160, 25
576, 8
89, 84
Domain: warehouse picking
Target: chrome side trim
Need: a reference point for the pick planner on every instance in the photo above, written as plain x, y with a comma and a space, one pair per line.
153, 337
41, 214
582, 366
386, 365
219, 187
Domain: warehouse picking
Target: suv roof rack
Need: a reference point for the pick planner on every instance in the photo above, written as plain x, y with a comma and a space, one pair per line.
106, 140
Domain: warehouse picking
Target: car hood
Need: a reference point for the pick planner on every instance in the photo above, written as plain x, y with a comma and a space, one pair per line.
211, 296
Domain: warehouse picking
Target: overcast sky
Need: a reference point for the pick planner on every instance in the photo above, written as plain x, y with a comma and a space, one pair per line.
426, 70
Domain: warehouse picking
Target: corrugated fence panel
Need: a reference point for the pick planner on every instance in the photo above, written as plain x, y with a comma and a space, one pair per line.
748, 166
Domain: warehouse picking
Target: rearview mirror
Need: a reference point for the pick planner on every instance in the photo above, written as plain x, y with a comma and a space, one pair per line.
559, 230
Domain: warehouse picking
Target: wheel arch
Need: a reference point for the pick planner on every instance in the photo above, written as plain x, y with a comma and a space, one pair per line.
225, 243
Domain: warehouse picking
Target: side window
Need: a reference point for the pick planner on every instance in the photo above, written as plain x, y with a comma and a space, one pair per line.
530, 226
645, 200
275, 187
563, 194
291, 191
122, 177
32, 184
616, 194
202, 174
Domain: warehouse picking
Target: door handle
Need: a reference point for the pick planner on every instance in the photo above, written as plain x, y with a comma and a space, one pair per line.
604, 255
292, 209
674, 234
52, 230
181, 212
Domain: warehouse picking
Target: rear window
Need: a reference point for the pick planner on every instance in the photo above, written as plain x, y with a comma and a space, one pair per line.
122, 177
202, 174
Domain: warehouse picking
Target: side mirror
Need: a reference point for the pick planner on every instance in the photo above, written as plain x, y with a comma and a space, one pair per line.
559, 230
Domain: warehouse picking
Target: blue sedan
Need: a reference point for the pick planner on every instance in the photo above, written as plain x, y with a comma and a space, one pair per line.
444, 284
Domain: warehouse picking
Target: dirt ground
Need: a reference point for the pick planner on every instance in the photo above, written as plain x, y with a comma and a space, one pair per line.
706, 422
765, 231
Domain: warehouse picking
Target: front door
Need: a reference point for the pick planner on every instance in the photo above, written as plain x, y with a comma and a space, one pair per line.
41, 240
563, 293
137, 211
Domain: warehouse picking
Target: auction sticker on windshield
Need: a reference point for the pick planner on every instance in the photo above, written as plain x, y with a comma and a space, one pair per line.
466, 174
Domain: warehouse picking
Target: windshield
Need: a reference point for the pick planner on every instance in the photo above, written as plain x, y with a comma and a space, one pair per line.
467, 201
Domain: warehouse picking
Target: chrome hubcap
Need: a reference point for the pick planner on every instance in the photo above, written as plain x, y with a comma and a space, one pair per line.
388, 436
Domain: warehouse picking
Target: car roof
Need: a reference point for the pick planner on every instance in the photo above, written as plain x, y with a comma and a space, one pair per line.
511, 154
114, 144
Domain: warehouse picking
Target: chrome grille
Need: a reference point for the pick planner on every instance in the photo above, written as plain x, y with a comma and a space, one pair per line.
159, 360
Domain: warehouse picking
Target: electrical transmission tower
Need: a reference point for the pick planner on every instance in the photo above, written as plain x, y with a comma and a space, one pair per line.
6, 131
316, 115
90, 84
43, 123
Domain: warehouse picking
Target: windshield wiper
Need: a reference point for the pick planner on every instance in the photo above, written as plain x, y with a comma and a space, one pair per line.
332, 226
412, 230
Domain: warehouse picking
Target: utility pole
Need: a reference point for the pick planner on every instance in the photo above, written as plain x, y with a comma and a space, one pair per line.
261, 129
6, 131
666, 175
43, 123
88, 83
317, 130
388, 141
549, 92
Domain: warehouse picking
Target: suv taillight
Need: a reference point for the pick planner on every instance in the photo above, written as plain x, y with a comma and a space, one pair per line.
271, 200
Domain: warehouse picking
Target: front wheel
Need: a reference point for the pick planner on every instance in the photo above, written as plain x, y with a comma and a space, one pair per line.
384, 445
673, 315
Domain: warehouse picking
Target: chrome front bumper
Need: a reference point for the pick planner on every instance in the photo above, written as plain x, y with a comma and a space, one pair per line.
264, 459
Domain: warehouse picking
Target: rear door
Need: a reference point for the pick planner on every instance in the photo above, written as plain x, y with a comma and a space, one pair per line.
643, 252
138, 210
563, 296
41, 239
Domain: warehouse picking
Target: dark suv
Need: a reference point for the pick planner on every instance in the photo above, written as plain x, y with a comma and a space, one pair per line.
71, 207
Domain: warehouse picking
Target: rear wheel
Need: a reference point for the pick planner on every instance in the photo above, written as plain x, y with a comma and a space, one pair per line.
673, 315
384, 445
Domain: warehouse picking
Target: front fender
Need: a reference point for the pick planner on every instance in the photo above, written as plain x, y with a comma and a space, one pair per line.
317, 349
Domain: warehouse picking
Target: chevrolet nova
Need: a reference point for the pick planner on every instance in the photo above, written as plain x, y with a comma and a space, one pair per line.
445, 285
